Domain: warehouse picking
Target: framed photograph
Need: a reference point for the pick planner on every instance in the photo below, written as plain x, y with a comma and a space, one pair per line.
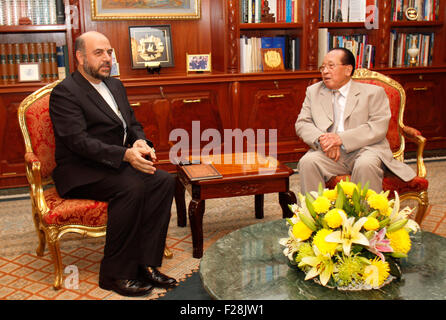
150, 46
198, 62
148, 9
114, 72
29, 72
272, 59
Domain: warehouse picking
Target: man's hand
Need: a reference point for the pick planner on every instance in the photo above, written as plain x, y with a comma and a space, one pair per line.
143, 144
329, 140
334, 153
135, 156
331, 145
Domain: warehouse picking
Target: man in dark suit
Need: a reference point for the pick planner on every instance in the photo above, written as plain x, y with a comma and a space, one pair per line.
102, 153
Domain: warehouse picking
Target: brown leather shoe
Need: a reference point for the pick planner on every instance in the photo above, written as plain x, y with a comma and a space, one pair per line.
158, 279
128, 288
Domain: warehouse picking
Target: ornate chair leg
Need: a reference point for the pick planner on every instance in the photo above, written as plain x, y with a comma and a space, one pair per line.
54, 248
423, 203
167, 253
40, 234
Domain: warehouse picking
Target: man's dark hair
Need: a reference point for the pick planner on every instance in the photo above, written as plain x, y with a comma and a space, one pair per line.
347, 59
79, 44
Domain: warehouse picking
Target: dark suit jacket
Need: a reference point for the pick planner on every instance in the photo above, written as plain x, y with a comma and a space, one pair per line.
89, 135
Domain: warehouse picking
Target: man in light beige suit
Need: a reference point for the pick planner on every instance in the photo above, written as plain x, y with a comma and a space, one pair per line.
345, 124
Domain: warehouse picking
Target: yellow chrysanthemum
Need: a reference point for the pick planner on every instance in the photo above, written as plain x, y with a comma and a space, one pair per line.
334, 218
324, 246
379, 202
371, 224
301, 231
376, 273
330, 194
321, 204
348, 187
400, 240
369, 193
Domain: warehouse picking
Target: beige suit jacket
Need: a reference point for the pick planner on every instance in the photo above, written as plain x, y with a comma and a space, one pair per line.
366, 120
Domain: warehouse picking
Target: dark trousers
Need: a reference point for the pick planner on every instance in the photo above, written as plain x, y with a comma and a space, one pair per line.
139, 207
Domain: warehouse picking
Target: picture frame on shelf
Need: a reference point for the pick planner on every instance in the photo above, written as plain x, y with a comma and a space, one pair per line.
272, 59
151, 45
29, 72
145, 10
114, 72
198, 62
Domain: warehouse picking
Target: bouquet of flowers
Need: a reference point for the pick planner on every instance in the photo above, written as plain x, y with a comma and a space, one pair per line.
351, 237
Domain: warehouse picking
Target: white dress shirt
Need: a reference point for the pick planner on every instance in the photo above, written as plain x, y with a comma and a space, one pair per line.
108, 97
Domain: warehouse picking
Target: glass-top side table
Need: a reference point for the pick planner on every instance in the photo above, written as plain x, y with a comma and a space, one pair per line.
248, 264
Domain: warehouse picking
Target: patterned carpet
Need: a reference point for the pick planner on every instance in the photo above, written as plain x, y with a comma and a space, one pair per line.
25, 276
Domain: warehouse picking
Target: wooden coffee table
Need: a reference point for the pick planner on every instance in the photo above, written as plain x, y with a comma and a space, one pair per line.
239, 178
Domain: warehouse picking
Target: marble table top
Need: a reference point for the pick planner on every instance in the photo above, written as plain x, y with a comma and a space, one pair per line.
248, 264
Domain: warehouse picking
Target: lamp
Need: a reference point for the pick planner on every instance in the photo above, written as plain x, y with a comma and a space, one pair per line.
413, 53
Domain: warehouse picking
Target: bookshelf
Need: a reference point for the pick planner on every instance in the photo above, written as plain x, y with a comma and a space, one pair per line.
227, 98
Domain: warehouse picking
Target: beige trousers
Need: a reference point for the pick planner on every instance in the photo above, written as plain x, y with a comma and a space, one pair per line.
363, 165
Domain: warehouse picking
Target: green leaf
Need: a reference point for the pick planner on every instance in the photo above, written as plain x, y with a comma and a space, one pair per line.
309, 202
289, 221
341, 197
320, 190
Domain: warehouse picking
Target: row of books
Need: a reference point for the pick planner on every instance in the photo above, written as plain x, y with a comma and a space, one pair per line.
38, 12
345, 10
400, 42
250, 52
363, 51
428, 10
251, 11
53, 60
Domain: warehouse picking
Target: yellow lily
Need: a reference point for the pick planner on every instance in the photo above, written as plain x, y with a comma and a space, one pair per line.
321, 265
350, 234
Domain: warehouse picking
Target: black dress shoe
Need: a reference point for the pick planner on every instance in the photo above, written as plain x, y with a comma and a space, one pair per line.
158, 279
129, 288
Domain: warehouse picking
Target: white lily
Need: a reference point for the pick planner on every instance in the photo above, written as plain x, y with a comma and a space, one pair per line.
291, 245
321, 265
350, 234
397, 215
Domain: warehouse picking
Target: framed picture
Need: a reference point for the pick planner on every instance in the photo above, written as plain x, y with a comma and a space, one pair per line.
29, 72
114, 72
272, 59
153, 9
198, 62
150, 46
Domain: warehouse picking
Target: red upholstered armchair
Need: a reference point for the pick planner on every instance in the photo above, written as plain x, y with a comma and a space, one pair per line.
415, 189
53, 216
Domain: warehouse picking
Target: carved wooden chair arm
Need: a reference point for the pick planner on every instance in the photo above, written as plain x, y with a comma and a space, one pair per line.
35, 181
415, 136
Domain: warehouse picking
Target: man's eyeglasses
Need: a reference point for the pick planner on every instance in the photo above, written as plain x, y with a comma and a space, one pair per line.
330, 66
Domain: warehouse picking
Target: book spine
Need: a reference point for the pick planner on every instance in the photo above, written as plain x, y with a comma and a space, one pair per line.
32, 52
46, 62
53, 61
60, 12
39, 58
3, 64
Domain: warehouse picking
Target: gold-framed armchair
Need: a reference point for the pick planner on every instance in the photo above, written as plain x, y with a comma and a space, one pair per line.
416, 189
53, 216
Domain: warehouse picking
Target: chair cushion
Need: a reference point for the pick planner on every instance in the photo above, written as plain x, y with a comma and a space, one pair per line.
392, 183
74, 211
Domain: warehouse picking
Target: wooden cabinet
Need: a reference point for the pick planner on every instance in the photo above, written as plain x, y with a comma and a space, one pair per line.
274, 104
180, 114
425, 111
12, 148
